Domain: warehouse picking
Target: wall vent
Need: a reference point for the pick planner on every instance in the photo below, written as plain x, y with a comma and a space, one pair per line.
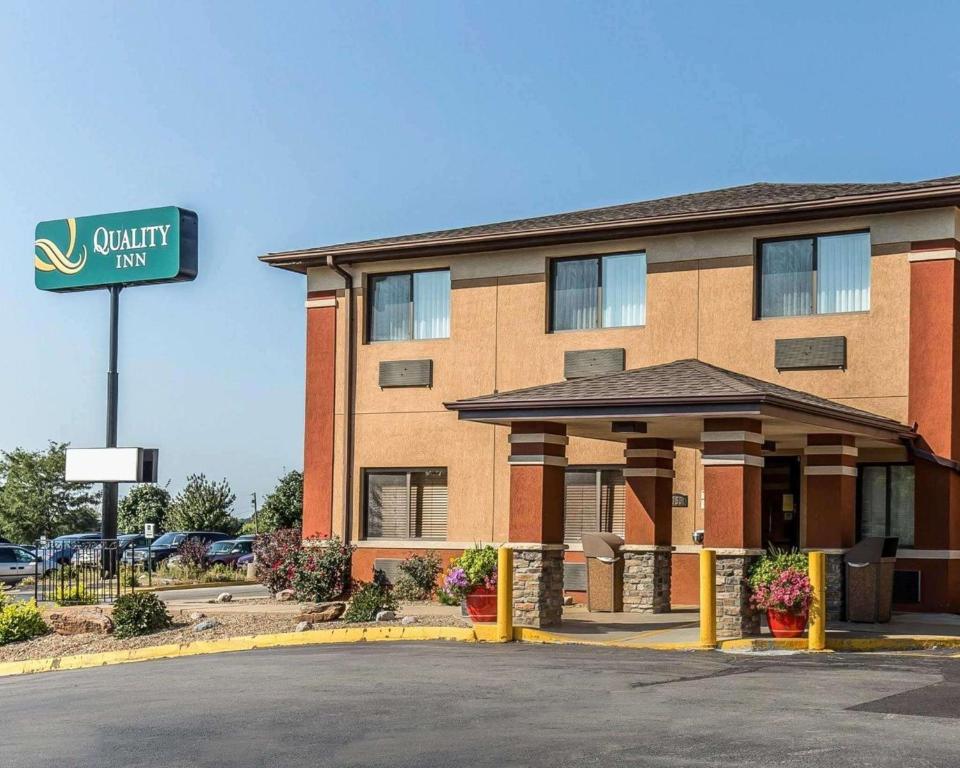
574, 577
906, 587
819, 352
406, 373
389, 566
592, 362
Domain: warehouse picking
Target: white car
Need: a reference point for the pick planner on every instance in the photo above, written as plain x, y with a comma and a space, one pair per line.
17, 563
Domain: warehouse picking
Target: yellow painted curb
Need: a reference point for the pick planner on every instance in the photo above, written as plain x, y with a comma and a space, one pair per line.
913, 643
245, 643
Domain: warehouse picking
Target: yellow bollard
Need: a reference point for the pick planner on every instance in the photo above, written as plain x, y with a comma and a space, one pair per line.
708, 598
504, 595
817, 629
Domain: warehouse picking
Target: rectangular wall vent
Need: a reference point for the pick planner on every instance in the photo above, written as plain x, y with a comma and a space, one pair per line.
390, 568
574, 577
591, 362
406, 373
819, 352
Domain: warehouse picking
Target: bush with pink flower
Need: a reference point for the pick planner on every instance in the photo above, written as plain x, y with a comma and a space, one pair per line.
779, 582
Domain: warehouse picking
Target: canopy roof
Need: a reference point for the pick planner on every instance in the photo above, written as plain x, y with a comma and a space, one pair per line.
684, 389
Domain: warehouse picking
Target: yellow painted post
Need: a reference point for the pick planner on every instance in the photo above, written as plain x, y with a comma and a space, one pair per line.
708, 598
817, 629
504, 595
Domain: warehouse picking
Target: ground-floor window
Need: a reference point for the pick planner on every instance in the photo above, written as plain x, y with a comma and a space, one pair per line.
405, 504
593, 501
886, 501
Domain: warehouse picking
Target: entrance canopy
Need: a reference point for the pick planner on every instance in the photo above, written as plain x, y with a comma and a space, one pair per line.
672, 400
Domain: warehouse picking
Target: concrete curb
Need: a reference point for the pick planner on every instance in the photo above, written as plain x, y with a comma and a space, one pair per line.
480, 633
208, 585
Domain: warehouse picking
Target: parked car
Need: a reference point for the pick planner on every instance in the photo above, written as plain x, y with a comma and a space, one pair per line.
16, 563
247, 536
244, 560
228, 551
60, 551
89, 555
167, 545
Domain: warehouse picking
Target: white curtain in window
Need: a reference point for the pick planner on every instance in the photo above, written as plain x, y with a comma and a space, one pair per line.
624, 290
575, 285
843, 273
901, 504
873, 501
786, 279
431, 304
390, 313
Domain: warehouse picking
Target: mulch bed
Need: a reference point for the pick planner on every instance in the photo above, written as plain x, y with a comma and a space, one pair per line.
228, 625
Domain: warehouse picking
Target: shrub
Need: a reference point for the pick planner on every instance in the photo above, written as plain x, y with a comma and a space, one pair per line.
222, 572
72, 593
20, 621
367, 600
139, 614
774, 562
192, 554
779, 581
129, 576
418, 578
475, 567
321, 570
276, 557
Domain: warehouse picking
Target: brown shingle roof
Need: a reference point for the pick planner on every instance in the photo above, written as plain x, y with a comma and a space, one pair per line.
760, 196
682, 382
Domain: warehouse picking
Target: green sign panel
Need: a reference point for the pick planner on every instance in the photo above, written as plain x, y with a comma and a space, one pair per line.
158, 245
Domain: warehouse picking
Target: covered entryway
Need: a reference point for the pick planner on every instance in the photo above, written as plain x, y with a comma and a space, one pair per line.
736, 422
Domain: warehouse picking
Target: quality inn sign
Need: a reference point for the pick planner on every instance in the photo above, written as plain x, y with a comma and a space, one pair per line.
157, 245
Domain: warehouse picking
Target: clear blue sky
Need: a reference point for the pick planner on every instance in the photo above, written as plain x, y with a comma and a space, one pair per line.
296, 124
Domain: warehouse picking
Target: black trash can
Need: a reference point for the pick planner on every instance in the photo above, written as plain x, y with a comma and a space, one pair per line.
869, 573
604, 572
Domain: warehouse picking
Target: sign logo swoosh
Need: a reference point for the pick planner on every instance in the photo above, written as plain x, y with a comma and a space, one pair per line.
57, 260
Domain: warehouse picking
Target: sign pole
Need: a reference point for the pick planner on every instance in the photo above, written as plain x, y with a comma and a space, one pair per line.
108, 519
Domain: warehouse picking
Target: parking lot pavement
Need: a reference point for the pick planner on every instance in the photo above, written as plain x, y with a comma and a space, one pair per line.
452, 704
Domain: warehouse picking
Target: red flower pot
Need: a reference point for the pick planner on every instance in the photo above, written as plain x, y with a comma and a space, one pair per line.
786, 623
482, 604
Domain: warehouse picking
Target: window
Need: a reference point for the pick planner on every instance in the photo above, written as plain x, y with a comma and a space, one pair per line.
598, 292
406, 504
413, 305
814, 275
886, 501
593, 501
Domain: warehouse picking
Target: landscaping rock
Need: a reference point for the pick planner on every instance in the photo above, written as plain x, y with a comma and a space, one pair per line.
409, 620
79, 621
317, 613
568, 600
284, 595
386, 616
204, 625
303, 626
224, 597
196, 616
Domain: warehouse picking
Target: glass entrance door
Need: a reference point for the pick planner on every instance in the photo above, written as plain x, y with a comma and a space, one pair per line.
780, 502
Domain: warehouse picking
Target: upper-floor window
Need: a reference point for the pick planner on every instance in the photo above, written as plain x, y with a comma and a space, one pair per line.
593, 501
814, 275
411, 305
598, 292
406, 504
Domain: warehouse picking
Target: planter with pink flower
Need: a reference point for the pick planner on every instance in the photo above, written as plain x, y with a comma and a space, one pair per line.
780, 586
473, 578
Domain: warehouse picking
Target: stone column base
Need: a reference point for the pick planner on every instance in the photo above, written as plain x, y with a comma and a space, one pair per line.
646, 579
836, 598
537, 584
735, 617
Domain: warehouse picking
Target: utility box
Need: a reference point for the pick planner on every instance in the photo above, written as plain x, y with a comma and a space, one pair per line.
869, 571
604, 555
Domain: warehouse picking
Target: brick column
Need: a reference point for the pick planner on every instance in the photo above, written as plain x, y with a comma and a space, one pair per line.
934, 404
648, 476
731, 483
830, 494
537, 463
318, 434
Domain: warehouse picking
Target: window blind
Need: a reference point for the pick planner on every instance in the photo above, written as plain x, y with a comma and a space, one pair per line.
594, 500
406, 504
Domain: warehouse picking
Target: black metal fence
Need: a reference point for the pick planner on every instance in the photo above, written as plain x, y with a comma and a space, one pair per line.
81, 572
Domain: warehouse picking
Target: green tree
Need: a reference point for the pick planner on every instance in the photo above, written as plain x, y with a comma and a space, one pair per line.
283, 507
203, 505
35, 500
144, 503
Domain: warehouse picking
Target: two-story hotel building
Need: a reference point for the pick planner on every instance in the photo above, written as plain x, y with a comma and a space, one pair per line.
771, 364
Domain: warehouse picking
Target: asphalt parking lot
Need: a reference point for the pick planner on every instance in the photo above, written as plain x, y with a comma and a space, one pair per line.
451, 704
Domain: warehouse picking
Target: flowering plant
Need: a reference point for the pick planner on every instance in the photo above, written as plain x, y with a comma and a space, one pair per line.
789, 591
476, 567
